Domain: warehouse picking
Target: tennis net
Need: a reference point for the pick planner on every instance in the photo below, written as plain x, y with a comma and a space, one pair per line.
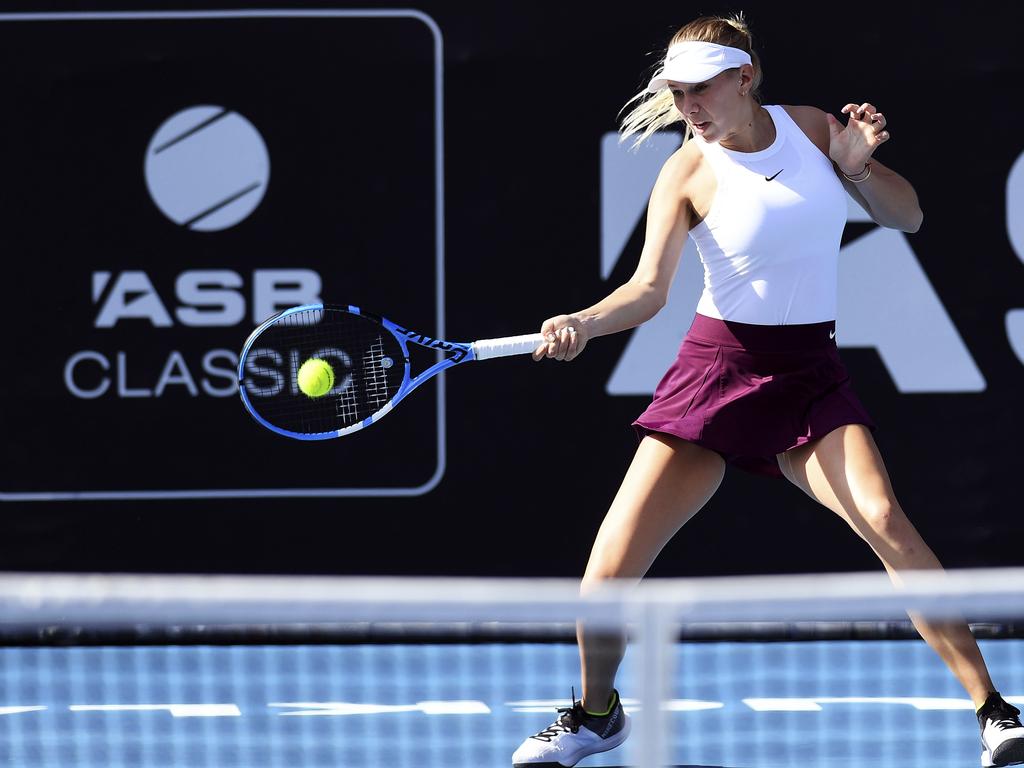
824, 670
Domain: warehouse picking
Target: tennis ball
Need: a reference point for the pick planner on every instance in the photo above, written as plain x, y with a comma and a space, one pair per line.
316, 377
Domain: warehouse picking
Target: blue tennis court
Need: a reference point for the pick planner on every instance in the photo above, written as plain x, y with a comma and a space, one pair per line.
762, 705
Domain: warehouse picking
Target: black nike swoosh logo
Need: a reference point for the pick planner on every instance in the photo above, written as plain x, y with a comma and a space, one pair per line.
776, 174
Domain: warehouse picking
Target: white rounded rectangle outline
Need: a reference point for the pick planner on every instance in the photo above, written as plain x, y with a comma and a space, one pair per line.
268, 13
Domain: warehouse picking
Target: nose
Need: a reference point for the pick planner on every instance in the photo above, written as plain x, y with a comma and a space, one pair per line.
687, 105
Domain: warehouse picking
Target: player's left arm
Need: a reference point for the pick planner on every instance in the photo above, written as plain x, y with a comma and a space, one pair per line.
887, 197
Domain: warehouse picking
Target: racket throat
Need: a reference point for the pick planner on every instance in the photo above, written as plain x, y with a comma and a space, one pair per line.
455, 350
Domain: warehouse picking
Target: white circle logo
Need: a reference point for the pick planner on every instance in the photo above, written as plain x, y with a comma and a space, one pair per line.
207, 168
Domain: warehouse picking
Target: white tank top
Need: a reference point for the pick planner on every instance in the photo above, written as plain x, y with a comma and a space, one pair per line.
770, 249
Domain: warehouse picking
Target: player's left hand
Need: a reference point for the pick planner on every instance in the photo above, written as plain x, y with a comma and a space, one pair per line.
852, 145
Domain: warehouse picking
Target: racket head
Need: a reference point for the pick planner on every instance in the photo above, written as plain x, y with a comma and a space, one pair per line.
370, 364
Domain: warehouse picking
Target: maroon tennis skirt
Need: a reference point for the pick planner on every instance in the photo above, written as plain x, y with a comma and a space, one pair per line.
750, 391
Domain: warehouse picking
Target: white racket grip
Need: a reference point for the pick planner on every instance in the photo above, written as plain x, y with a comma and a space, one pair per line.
509, 345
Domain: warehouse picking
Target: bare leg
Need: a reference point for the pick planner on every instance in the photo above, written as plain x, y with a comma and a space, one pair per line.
845, 472
667, 483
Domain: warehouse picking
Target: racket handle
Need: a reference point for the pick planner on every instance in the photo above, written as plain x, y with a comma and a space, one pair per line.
509, 345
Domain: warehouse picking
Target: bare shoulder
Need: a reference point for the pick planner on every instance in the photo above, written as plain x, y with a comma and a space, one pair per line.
681, 170
683, 163
812, 122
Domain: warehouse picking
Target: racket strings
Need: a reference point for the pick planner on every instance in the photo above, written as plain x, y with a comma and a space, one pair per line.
375, 376
347, 405
367, 360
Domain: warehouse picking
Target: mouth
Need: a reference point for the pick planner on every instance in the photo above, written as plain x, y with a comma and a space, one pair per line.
700, 127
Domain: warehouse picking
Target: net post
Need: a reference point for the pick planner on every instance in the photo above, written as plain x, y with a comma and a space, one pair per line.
655, 670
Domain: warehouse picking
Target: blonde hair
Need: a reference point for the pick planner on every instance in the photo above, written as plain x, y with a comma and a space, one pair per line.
658, 110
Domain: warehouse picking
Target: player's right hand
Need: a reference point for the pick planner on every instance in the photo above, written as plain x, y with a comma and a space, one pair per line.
566, 337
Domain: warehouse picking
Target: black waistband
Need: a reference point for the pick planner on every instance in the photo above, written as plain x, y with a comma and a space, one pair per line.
766, 338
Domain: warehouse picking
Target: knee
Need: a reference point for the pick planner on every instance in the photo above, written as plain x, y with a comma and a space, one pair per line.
593, 582
616, 558
885, 517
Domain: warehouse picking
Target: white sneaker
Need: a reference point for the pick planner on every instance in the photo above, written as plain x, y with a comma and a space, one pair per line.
574, 735
1002, 735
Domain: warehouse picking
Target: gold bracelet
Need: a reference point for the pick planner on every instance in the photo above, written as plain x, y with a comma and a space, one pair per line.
867, 167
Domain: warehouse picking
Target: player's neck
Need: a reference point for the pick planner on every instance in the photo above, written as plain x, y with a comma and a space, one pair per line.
755, 134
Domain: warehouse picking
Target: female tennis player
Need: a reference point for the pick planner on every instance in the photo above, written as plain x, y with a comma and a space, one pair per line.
757, 382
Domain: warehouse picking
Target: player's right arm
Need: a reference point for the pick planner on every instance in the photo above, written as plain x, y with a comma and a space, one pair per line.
642, 296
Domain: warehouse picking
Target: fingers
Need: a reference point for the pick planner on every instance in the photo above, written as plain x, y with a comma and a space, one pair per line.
868, 113
547, 329
570, 337
562, 344
861, 112
878, 122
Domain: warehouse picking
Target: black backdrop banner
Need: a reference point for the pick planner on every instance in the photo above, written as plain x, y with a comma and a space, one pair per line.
174, 176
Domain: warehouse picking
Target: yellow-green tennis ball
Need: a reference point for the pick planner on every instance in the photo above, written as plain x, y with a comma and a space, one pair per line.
316, 377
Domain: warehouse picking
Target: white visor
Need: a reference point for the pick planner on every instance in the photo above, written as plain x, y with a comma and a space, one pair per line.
693, 61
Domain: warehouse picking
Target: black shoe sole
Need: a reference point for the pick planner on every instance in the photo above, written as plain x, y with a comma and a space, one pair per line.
1010, 753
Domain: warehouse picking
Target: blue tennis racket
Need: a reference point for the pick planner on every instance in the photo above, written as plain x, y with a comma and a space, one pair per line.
369, 359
